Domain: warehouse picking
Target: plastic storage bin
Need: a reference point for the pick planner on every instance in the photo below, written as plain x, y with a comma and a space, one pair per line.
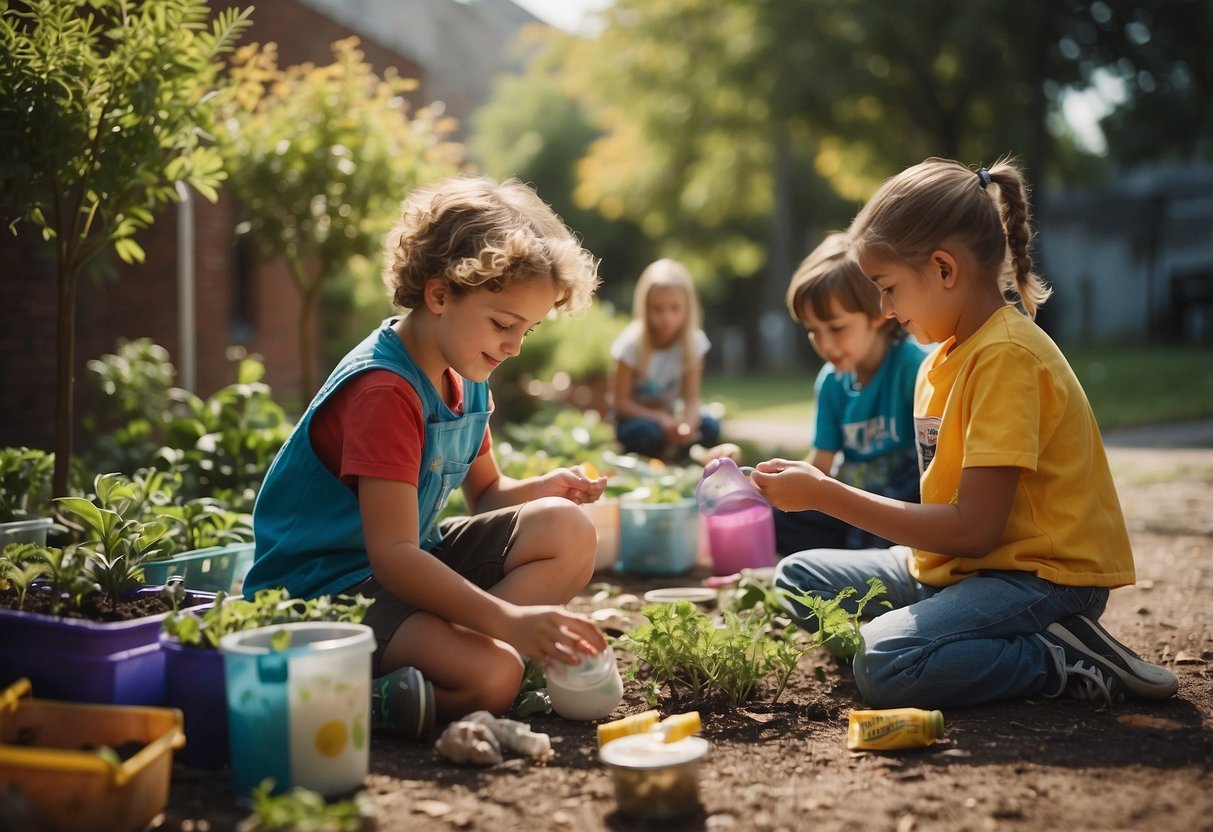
657, 538
25, 531
114, 662
68, 788
300, 715
194, 683
215, 569
605, 516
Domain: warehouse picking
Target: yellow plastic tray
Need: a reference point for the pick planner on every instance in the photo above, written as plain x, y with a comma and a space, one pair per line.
47, 752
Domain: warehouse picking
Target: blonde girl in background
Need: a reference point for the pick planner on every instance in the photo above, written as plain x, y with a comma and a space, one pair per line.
351, 503
659, 367
1007, 562
864, 430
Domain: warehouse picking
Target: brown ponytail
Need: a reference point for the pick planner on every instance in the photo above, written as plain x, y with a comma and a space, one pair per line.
912, 213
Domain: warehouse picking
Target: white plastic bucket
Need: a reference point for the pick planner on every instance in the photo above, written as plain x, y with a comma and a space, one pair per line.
300, 715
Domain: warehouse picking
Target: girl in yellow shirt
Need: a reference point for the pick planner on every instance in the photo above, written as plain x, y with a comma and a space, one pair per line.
1007, 562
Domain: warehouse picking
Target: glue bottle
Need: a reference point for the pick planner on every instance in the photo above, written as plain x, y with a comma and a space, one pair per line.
670, 729
893, 728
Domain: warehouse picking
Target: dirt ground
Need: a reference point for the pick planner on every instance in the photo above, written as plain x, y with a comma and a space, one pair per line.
1033, 765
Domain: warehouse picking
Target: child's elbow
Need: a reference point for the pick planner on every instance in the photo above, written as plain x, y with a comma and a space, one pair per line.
975, 541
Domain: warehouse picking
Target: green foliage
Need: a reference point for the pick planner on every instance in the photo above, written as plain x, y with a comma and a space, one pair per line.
269, 606
301, 810
20, 565
703, 658
224, 445
124, 427
25, 483
112, 538
102, 113
66, 572
837, 629
218, 448
534, 129
321, 157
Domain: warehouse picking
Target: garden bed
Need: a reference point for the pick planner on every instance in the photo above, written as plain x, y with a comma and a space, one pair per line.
1028, 765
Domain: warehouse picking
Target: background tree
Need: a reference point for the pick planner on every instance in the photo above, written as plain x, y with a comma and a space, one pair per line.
321, 157
722, 119
102, 109
534, 130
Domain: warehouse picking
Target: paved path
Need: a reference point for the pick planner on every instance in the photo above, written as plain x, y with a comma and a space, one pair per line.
1180, 442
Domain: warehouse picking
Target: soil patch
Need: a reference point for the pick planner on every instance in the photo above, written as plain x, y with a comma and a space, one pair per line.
1027, 765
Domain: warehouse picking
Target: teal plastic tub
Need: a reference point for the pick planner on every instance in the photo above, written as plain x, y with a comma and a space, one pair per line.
300, 715
658, 538
217, 569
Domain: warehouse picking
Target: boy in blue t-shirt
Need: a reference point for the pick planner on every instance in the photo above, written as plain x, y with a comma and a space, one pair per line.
865, 394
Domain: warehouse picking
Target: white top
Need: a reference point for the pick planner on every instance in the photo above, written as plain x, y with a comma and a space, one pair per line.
661, 383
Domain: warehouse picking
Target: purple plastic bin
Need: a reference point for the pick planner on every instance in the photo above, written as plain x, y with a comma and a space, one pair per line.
194, 682
112, 662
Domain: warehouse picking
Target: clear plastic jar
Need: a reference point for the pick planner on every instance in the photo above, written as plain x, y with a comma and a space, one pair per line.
589, 689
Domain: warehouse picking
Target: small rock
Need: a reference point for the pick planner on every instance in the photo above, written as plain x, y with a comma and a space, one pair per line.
433, 808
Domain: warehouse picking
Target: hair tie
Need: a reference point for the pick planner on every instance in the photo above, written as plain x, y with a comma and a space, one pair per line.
983, 176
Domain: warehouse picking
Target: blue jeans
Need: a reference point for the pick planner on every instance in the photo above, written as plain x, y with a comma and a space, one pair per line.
645, 436
968, 643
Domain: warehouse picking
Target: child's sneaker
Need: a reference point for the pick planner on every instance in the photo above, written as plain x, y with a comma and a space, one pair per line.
1093, 665
403, 702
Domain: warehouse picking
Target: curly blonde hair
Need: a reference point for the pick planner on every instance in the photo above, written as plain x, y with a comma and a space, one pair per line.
478, 234
938, 199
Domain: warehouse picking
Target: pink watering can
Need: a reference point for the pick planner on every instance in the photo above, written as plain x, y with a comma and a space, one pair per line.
739, 519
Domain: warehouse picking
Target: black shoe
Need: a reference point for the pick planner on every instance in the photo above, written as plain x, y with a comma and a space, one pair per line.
403, 702
1093, 665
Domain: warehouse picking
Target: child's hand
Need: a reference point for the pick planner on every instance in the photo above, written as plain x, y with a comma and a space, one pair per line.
574, 484
551, 634
790, 485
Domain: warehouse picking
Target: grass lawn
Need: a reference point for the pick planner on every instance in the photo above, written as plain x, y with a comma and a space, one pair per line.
1127, 386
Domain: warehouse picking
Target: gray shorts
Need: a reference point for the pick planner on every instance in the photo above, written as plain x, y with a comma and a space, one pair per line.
476, 547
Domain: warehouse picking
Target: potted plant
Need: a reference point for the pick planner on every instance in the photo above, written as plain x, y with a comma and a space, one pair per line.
77, 620
194, 675
25, 487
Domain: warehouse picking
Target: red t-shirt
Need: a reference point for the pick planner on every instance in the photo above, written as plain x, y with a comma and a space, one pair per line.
373, 426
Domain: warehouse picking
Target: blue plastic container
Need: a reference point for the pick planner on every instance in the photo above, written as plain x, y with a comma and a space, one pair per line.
657, 538
214, 569
193, 679
300, 715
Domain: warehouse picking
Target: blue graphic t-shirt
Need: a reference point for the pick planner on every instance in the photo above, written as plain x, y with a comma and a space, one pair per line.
873, 425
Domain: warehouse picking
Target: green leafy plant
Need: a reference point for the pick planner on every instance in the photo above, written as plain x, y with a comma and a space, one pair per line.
113, 540
302, 810
124, 425
65, 571
223, 445
838, 629
25, 483
20, 565
268, 606
703, 658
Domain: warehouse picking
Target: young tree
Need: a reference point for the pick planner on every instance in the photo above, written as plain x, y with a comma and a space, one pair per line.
102, 112
321, 158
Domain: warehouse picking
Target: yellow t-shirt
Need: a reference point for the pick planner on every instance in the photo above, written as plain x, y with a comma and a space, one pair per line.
1008, 397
